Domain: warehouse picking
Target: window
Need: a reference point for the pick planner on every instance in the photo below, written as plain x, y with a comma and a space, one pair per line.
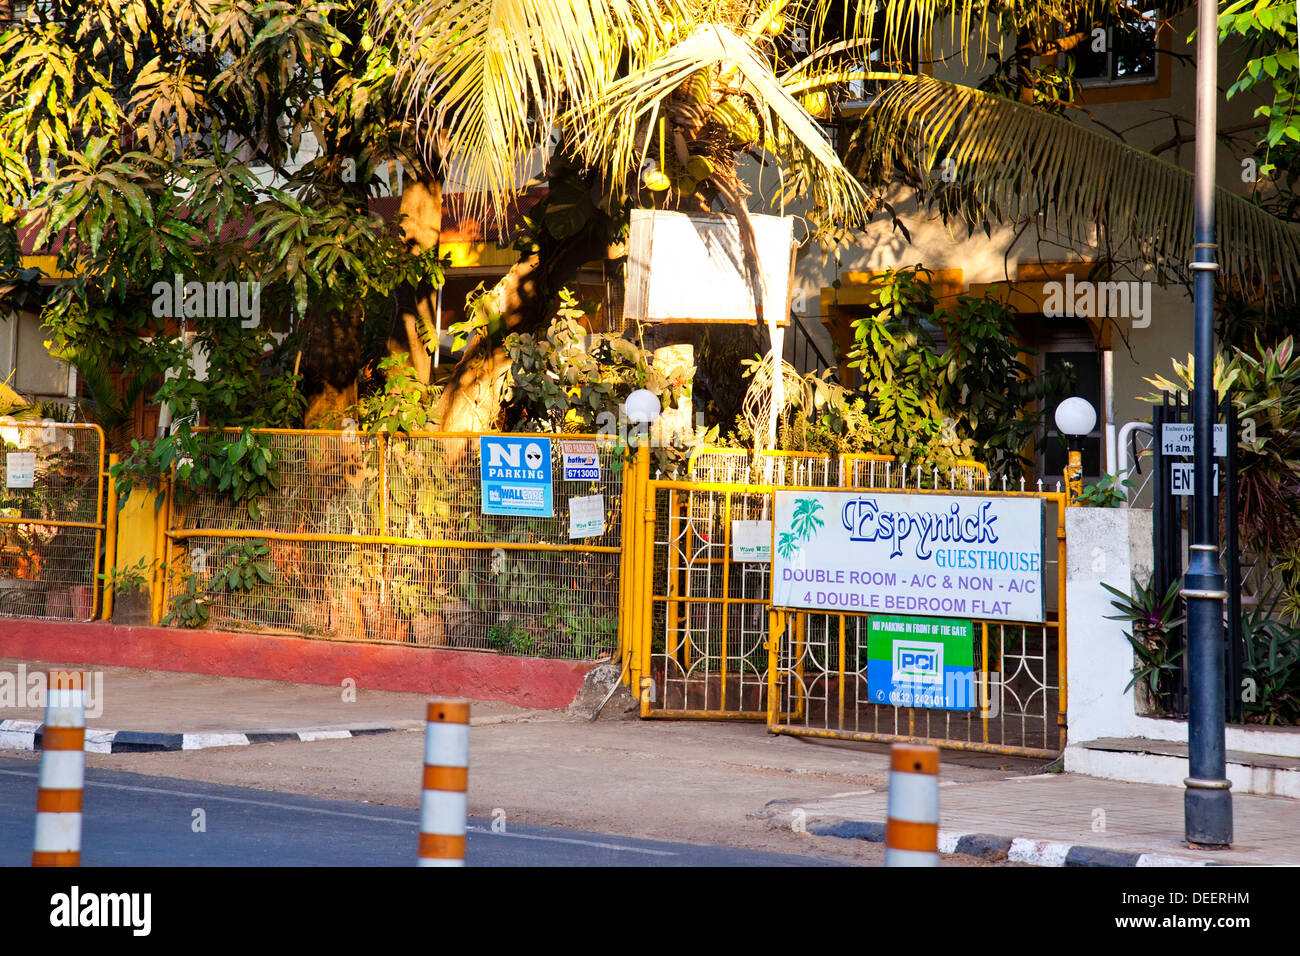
1057, 342
1118, 52
36, 11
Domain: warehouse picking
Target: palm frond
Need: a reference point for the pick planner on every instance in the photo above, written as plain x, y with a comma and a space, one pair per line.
613, 132
1012, 161
490, 77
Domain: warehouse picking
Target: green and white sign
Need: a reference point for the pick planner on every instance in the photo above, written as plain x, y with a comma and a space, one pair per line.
921, 662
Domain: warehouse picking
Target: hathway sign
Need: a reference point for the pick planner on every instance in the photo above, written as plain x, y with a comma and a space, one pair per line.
943, 555
515, 476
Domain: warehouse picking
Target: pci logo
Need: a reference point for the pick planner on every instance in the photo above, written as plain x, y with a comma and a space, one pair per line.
918, 662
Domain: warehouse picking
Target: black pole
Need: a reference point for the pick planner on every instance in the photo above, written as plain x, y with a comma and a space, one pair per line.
1236, 712
1207, 801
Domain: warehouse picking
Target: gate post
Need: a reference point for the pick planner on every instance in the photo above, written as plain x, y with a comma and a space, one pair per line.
110, 540
644, 577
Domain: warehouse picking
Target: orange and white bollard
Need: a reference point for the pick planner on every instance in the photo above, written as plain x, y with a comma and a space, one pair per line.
446, 778
912, 830
63, 772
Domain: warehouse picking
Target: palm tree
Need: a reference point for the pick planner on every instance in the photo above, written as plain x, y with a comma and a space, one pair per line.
593, 89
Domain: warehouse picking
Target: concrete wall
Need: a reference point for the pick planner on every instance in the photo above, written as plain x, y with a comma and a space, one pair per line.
1103, 546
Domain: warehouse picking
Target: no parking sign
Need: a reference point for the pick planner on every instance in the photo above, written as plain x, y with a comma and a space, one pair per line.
515, 474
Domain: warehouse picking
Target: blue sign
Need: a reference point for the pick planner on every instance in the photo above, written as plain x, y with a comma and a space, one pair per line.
515, 474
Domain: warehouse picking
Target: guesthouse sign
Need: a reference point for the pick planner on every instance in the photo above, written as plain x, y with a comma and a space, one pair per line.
963, 556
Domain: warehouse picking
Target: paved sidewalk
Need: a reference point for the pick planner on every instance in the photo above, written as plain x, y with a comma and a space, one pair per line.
165, 710
1041, 818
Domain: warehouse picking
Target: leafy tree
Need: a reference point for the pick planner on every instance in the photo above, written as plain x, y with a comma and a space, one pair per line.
947, 384
222, 141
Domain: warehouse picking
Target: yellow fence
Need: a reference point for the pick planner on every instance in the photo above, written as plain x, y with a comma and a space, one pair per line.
377, 538
51, 519
701, 648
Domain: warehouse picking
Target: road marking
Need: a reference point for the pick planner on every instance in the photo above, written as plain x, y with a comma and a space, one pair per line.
355, 816
576, 842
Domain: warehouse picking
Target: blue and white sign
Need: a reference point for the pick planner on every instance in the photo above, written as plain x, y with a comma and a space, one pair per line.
515, 476
967, 556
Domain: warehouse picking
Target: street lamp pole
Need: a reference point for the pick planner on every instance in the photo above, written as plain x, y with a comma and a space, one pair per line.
1207, 801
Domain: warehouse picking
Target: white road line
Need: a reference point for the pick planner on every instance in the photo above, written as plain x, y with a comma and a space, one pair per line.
354, 816
576, 842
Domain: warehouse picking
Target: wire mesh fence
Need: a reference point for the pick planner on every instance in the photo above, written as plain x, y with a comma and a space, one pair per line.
51, 519
382, 538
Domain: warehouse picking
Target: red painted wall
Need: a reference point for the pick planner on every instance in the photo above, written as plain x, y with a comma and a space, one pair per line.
525, 681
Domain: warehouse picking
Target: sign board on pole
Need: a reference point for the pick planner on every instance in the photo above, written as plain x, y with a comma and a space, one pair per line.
1178, 439
1182, 478
515, 475
691, 268
20, 469
921, 662
965, 556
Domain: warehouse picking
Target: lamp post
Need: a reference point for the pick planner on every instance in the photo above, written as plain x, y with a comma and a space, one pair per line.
1075, 418
642, 408
1207, 801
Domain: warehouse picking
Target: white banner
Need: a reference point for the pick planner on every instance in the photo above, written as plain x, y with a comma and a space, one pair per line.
943, 555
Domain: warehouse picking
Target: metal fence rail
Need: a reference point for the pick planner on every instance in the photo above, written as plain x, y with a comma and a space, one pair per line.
883, 472
51, 519
376, 538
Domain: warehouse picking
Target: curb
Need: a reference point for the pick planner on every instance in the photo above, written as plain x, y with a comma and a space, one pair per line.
26, 735
998, 849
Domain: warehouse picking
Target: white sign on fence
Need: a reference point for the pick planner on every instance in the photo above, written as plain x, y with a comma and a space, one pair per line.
1182, 478
581, 461
1178, 440
751, 541
587, 516
20, 469
943, 555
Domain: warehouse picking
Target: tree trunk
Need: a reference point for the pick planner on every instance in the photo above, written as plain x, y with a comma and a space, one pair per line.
471, 400
1024, 67
421, 205
331, 356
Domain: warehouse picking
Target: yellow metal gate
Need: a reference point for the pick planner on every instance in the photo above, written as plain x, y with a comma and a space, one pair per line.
51, 519
818, 674
698, 616
702, 644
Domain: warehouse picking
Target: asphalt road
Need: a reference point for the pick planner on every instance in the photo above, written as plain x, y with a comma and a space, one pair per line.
134, 819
